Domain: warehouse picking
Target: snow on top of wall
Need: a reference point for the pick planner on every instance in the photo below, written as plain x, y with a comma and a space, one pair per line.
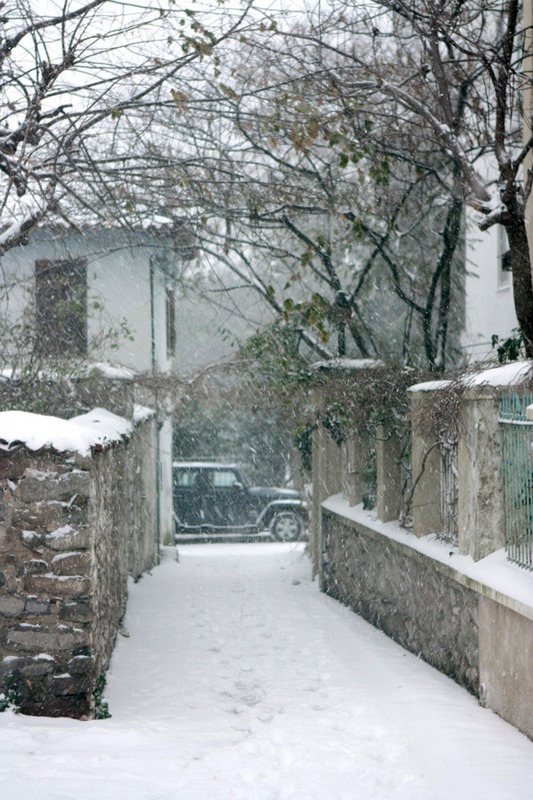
495, 572
114, 373
142, 413
506, 375
428, 386
78, 435
348, 363
104, 369
110, 426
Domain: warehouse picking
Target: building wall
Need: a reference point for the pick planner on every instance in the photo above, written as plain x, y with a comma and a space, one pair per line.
489, 305
120, 289
127, 276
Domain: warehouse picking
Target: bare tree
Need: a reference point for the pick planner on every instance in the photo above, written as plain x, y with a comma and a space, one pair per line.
455, 70
72, 84
322, 213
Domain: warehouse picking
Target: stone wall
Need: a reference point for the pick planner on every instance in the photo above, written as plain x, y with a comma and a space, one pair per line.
467, 628
410, 597
408, 581
142, 498
71, 528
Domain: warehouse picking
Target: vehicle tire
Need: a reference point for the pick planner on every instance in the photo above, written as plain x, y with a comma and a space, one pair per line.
287, 526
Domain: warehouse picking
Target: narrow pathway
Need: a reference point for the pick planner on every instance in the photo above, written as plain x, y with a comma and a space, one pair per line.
240, 681
274, 690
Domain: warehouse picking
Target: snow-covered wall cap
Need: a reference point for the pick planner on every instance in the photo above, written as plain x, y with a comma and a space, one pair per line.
142, 413
428, 386
348, 363
110, 426
507, 375
105, 370
113, 373
79, 435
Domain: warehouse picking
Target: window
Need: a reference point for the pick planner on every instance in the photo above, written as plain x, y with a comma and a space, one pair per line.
170, 297
504, 260
224, 479
61, 307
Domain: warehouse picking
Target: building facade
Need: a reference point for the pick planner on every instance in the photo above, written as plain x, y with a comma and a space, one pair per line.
101, 295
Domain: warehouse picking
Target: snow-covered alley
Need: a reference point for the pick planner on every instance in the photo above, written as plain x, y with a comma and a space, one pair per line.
240, 680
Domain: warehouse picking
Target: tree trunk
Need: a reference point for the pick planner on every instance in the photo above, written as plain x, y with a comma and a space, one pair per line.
522, 280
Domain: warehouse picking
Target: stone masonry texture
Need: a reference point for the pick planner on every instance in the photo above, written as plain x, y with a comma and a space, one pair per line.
67, 534
406, 595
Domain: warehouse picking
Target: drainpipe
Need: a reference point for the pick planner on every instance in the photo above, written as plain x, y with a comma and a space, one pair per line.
158, 423
152, 313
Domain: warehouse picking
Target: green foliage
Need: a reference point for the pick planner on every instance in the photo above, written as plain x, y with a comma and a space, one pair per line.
335, 420
271, 358
510, 349
370, 478
302, 437
10, 698
101, 707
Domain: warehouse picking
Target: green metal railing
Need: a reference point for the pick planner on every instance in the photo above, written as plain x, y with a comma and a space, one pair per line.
516, 438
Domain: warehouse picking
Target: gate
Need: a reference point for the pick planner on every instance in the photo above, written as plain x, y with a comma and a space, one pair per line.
516, 438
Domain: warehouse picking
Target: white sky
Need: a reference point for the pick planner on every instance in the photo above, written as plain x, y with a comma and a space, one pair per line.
240, 681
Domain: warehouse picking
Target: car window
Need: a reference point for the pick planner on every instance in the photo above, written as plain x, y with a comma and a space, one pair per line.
184, 478
224, 479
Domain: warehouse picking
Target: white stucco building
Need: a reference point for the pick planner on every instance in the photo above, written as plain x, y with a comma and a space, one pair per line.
488, 290
103, 295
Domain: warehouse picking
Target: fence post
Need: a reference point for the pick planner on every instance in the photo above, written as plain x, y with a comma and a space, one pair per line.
389, 477
327, 480
336, 467
481, 518
356, 452
426, 503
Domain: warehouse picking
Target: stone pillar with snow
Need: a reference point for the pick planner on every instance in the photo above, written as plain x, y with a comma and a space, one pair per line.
481, 504
426, 505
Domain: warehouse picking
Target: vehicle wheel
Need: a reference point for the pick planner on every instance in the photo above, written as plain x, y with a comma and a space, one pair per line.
287, 526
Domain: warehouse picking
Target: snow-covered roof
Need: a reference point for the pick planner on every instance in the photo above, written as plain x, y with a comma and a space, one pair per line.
78, 435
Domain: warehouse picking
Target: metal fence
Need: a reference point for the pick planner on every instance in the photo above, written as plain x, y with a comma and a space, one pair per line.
516, 437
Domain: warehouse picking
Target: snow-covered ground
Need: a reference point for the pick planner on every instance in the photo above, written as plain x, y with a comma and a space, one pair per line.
240, 681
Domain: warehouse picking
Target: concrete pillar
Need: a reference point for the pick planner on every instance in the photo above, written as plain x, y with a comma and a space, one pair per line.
355, 454
389, 476
336, 468
481, 510
426, 506
327, 480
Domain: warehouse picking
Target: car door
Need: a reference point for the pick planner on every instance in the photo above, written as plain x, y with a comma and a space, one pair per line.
194, 497
231, 498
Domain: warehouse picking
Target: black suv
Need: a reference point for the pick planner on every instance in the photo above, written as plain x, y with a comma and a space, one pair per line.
212, 498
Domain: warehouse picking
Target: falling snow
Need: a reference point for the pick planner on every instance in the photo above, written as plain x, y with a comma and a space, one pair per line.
241, 681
